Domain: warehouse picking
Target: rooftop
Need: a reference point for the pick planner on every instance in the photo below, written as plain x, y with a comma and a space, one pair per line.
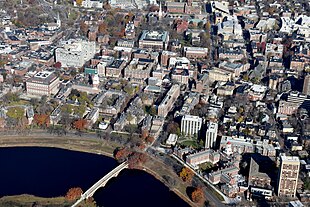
154, 35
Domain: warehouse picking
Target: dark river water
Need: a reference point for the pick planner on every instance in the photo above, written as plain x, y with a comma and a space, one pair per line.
50, 172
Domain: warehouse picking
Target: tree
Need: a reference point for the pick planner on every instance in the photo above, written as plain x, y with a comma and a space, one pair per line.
11, 97
84, 27
130, 117
149, 139
41, 119
173, 128
107, 6
80, 124
90, 202
144, 134
136, 159
186, 174
208, 27
122, 154
153, 111
79, 110
129, 89
57, 65
245, 77
79, 2
67, 108
307, 184
74, 193
197, 196
153, 8
200, 25
102, 28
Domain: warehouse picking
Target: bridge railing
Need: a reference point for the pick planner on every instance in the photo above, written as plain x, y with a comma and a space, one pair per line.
107, 176
97, 185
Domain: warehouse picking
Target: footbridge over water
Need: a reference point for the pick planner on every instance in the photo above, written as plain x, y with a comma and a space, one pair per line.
101, 183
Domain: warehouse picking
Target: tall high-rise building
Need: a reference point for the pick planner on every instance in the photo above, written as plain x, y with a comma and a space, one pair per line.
306, 88
288, 176
211, 135
191, 125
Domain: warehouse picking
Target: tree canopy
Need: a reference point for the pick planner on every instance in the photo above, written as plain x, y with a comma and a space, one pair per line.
74, 193
197, 196
186, 174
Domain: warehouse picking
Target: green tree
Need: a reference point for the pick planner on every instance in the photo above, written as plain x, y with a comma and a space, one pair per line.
11, 97
67, 108
79, 110
307, 184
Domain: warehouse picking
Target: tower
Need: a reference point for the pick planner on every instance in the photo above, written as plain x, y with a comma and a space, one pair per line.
306, 87
58, 22
160, 12
96, 81
288, 176
211, 135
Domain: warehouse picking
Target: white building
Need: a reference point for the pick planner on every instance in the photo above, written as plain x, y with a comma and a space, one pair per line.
74, 53
172, 139
191, 125
211, 135
98, 4
288, 176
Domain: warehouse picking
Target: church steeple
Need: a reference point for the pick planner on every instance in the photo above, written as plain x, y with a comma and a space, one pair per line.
160, 12
58, 22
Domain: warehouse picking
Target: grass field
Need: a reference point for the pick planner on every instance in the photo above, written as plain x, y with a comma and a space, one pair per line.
29, 200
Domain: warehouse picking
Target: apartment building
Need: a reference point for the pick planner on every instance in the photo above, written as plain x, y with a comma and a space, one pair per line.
288, 175
211, 135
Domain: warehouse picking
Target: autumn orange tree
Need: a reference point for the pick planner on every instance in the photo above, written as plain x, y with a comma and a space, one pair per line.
197, 195
80, 124
149, 139
102, 28
186, 174
74, 193
136, 159
144, 134
41, 119
79, 2
84, 27
122, 153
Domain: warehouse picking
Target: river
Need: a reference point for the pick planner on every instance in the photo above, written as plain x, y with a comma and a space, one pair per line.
50, 172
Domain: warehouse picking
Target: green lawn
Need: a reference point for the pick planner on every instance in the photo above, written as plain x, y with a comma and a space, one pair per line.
205, 166
29, 200
17, 103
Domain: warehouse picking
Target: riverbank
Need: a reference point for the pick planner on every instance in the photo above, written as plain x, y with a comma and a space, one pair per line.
88, 145
29, 200
95, 146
